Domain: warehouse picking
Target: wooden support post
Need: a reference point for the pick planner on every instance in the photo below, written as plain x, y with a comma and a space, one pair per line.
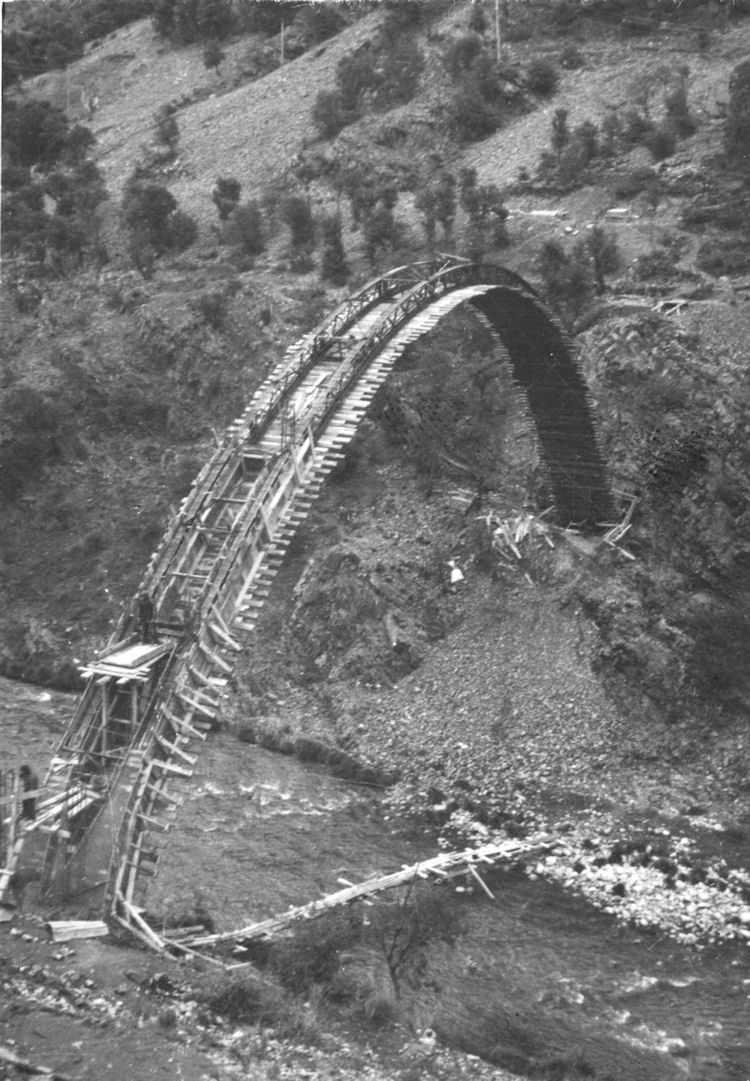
105, 712
148, 933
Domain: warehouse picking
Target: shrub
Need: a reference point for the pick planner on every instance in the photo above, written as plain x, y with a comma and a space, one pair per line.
33, 132
605, 257
459, 56
333, 265
572, 163
212, 308
312, 954
213, 55
379, 231
226, 195
356, 75
243, 229
33, 426
486, 212
401, 66
567, 277
564, 15
242, 998
182, 231
560, 131
653, 264
661, 143
146, 209
634, 128
634, 182
315, 23
328, 114
299, 218
437, 203
572, 58
720, 257
737, 127
470, 117
166, 128
542, 77
679, 117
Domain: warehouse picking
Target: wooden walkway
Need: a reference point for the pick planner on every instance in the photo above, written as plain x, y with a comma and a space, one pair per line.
467, 863
144, 714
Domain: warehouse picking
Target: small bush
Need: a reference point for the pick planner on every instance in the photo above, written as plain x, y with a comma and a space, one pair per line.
661, 143
356, 75
564, 16
634, 128
182, 231
243, 229
243, 998
166, 128
572, 58
721, 257
213, 55
32, 431
298, 217
212, 308
226, 195
679, 117
634, 182
542, 77
470, 117
333, 265
737, 128
653, 264
329, 115
459, 56
312, 955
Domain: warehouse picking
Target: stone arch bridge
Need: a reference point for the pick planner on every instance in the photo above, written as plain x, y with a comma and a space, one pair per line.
105, 806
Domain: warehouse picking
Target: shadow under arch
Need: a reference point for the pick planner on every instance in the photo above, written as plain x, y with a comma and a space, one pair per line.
544, 367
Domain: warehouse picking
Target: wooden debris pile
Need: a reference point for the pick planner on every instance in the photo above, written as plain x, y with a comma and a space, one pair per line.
509, 534
616, 531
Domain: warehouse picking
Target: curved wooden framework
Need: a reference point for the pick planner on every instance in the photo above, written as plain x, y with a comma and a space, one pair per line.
139, 722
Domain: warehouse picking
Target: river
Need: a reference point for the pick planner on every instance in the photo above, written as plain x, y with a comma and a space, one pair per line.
258, 832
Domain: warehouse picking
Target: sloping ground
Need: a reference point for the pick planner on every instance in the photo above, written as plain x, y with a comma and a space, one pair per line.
251, 132
609, 81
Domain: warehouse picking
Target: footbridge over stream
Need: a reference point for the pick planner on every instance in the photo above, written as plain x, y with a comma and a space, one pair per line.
105, 806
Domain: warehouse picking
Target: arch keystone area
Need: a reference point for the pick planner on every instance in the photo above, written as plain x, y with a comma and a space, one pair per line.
106, 807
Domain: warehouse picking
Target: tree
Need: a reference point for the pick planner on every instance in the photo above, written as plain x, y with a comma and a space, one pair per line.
737, 127
146, 209
605, 256
243, 229
34, 132
560, 130
318, 22
166, 128
542, 77
328, 114
379, 230
567, 278
436, 201
214, 21
213, 55
226, 195
333, 265
299, 218
487, 214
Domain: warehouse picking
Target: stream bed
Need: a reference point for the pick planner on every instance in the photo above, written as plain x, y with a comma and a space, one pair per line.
537, 968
